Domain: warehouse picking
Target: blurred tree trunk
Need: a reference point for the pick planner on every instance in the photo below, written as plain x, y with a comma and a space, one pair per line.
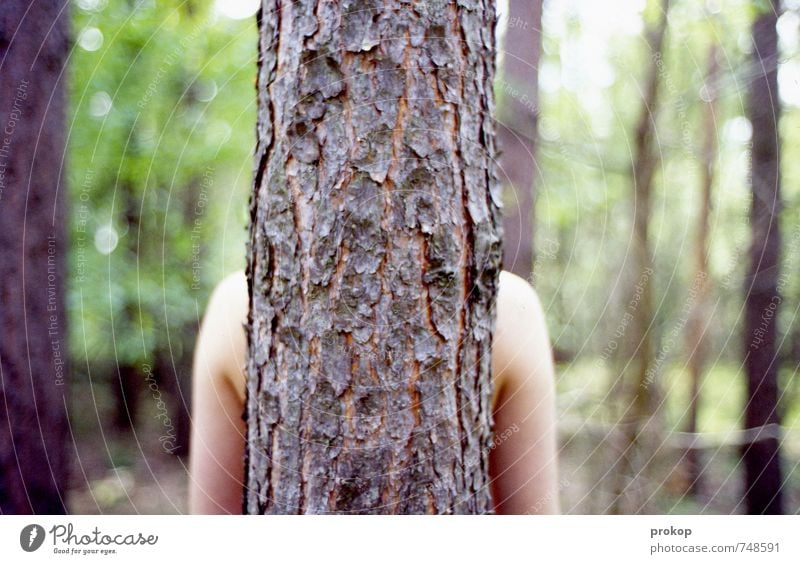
171, 369
374, 259
516, 132
33, 347
762, 295
699, 317
638, 378
126, 390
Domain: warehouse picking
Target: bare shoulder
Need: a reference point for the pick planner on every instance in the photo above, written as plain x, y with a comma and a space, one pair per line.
232, 291
515, 292
223, 345
520, 332
518, 306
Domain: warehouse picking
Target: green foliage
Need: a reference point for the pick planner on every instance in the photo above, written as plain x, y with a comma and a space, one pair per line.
160, 143
586, 146
161, 131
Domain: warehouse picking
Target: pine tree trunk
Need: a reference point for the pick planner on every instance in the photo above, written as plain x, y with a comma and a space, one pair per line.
762, 296
374, 259
33, 347
517, 130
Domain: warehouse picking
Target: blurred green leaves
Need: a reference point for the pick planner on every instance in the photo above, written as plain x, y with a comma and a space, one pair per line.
160, 135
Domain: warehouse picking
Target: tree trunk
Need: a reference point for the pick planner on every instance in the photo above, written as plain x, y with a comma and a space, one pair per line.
172, 368
374, 259
33, 348
516, 132
125, 392
637, 374
698, 321
762, 295
126, 381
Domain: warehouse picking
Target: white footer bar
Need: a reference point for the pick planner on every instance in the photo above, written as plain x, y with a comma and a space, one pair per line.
407, 539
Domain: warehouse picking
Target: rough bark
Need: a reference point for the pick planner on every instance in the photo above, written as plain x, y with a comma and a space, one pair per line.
33, 348
637, 375
698, 321
516, 131
374, 259
762, 295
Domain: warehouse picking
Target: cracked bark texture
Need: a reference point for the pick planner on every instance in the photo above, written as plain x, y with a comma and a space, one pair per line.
374, 258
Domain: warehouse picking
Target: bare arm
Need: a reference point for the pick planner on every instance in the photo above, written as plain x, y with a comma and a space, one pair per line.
522, 463
218, 431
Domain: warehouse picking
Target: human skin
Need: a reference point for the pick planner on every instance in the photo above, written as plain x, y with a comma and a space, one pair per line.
522, 462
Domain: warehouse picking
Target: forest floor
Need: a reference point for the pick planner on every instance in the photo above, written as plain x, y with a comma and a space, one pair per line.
151, 485
127, 472
146, 480
122, 472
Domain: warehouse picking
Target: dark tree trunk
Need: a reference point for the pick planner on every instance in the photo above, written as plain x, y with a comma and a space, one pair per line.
125, 391
516, 132
126, 387
173, 373
762, 295
33, 348
374, 259
697, 325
